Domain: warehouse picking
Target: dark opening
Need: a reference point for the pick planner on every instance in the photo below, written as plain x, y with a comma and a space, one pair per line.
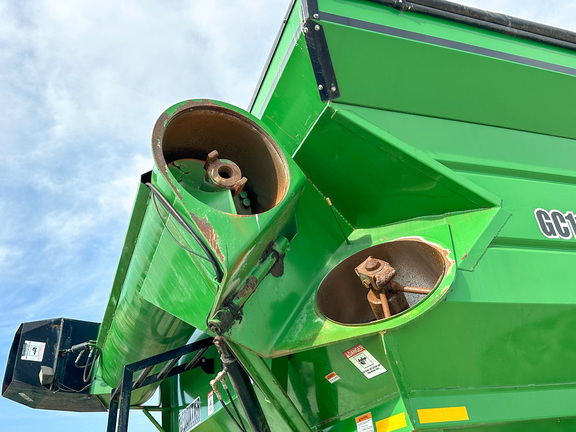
342, 297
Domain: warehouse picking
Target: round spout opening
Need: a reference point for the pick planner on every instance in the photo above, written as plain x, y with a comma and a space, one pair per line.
198, 129
419, 267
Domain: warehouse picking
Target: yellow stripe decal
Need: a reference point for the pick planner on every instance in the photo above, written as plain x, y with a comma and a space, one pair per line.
439, 415
390, 424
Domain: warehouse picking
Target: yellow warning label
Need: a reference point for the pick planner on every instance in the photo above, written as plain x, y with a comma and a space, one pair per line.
438, 415
390, 424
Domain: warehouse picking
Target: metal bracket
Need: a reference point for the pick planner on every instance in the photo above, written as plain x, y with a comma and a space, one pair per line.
120, 396
272, 262
321, 60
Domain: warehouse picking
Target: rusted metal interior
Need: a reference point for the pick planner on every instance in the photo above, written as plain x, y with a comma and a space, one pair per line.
346, 295
198, 130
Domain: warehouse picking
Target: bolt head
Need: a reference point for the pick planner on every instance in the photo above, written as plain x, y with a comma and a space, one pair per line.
320, 87
316, 16
372, 265
333, 88
316, 27
305, 29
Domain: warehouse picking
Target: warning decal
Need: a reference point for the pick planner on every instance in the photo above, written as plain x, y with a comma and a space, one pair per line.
190, 417
364, 423
33, 351
332, 377
211, 403
364, 361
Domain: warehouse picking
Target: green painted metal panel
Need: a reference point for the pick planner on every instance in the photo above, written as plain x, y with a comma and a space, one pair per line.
373, 69
383, 174
449, 30
471, 147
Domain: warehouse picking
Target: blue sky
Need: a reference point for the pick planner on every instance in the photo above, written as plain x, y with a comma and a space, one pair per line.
81, 86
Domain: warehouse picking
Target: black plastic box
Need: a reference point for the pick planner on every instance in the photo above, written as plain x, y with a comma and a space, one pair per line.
42, 345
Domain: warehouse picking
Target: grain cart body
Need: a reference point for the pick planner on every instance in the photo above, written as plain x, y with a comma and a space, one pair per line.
384, 241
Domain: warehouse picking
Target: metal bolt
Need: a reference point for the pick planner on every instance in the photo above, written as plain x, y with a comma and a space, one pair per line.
316, 27
320, 87
316, 16
305, 29
216, 329
333, 89
372, 265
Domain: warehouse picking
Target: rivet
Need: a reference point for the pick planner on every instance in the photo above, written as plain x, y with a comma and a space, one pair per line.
305, 29
316, 16
316, 27
333, 88
320, 87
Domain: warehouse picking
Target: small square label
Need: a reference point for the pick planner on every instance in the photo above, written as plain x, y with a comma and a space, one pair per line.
364, 361
364, 423
332, 377
33, 351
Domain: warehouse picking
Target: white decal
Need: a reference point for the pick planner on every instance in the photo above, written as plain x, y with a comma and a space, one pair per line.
33, 351
211, 403
190, 416
364, 361
26, 397
364, 423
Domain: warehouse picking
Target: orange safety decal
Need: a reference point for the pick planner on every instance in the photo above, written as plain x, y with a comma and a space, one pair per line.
364, 423
393, 423
439, 415
332, 377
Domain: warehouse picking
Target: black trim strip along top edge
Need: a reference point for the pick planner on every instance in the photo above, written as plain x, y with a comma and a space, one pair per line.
318, 51
493, 21
447, 43
321, 61
310, 8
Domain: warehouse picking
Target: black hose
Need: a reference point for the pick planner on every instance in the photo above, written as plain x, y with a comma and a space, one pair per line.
174, 213
232, 417
243, 388
234, 406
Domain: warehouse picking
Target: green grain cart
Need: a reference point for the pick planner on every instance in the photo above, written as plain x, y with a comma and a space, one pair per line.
385, 241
